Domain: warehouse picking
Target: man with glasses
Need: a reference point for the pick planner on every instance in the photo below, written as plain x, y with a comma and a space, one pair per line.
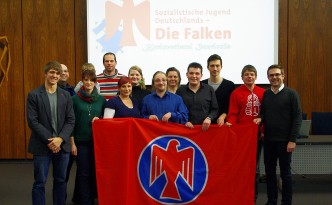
162, 104
282, 117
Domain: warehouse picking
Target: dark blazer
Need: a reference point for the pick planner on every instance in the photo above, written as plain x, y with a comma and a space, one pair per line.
40, 120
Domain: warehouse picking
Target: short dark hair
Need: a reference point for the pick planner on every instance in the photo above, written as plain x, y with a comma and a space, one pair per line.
213, 58
109, 53
275, 66
55, 65
195, 65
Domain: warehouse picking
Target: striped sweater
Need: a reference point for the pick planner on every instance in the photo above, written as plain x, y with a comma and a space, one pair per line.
108, 84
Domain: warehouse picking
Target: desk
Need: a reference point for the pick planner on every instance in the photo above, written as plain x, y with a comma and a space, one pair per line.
313, 155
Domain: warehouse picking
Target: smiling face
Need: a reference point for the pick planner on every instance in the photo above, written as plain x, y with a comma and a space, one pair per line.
88, 84
194, 76
109, 64
52, 77
276, 77
125, 89
135, 77
172, 79
160, 82
249, 78
64, 74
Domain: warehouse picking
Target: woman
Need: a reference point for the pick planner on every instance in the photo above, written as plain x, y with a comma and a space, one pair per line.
173, 79
87, 66
88, 106
139, 90
123, 105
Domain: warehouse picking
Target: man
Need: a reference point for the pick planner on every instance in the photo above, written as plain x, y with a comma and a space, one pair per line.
244, 107
199, 98
222, 87
108, 80
51, 119
162, 104
282, 117
63, 81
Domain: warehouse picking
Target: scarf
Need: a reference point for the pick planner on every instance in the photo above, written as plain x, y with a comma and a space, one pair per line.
88, 97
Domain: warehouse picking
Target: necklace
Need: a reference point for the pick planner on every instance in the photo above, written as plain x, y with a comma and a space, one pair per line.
89, 108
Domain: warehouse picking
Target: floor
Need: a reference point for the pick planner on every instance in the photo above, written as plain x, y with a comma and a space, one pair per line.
16, 178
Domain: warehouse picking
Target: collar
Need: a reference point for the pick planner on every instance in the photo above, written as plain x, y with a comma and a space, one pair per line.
280, 88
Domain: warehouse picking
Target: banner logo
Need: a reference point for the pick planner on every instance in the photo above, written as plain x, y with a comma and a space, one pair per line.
172, 170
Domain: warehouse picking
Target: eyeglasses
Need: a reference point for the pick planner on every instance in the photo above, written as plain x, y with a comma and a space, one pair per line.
274, 75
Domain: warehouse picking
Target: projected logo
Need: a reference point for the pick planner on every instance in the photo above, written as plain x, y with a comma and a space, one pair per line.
172, 170
119, 24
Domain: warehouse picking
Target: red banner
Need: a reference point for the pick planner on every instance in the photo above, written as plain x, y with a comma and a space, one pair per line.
146, 162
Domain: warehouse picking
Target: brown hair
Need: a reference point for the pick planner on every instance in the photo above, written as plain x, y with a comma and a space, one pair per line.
90, 74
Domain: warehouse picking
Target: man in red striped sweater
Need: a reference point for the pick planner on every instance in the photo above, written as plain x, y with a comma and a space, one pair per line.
108, 79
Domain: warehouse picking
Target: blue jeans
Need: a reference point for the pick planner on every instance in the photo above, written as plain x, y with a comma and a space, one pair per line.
41, 166
273, 151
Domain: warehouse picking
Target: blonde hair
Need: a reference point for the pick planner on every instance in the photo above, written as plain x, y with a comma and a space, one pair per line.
138, 69
88, 66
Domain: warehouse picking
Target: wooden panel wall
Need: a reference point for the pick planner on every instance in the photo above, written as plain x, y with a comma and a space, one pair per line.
12, 101
39, 31
309, 53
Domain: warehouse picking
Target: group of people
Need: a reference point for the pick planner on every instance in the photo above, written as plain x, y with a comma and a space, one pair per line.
60, 117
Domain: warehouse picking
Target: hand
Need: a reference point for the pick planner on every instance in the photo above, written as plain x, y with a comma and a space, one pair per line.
74, 149
228, 124
166, 117
153, 117
95, 118
206, 124
189, 125
221, 120
257, 121
291, 146
55, 144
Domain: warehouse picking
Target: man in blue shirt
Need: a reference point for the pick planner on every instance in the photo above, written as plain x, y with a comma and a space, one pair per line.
163, 105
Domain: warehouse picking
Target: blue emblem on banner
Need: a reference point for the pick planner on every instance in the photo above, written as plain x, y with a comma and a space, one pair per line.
172, 170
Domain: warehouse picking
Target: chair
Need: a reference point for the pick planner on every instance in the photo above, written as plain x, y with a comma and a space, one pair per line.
304, 116
321, 123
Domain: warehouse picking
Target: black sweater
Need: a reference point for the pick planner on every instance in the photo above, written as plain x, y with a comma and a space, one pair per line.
281, 114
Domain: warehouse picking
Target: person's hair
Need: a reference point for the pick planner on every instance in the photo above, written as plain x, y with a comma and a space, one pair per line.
275, 66
109, 53
156, 73
123, 80
195, 65
138, 69
55, 65
88, 66
213, 58
90, 74
177, 71
249, 68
